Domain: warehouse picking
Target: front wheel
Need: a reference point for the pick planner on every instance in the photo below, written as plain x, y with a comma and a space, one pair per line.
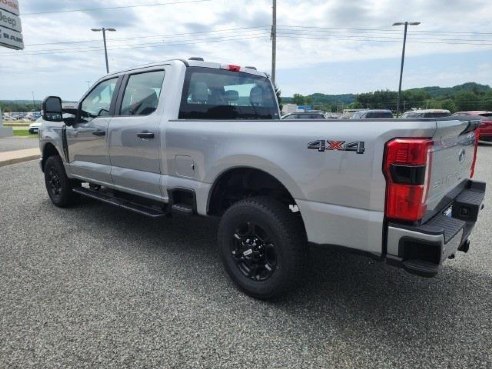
263, 246
58, 185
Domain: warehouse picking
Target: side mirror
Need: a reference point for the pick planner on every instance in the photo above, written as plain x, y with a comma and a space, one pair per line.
52, 109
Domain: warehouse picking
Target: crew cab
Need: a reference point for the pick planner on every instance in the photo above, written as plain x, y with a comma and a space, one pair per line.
201, 138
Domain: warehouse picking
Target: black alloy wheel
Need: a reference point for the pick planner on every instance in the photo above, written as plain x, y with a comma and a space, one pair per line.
263, 246
58, 185
254, 251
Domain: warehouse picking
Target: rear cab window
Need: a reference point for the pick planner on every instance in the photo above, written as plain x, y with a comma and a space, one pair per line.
221, 94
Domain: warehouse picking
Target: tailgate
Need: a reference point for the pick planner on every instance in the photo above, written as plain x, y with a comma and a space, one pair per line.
452, 160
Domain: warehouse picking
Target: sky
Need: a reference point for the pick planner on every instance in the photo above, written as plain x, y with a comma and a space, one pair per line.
329, 46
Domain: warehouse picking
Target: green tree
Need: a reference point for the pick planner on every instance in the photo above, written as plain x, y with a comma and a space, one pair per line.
298, 99
467, 101
449, 105
308, 100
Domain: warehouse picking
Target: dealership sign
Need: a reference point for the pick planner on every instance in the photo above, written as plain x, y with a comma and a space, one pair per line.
10, 25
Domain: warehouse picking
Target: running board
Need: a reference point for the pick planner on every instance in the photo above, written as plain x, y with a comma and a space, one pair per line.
122, 203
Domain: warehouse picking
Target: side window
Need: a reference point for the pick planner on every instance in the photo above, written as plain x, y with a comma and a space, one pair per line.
98, 102
142, 93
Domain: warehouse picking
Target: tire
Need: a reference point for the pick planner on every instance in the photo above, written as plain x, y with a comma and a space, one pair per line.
58, 185
263, 247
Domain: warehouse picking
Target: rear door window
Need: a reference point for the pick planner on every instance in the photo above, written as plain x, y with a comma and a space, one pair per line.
142, 93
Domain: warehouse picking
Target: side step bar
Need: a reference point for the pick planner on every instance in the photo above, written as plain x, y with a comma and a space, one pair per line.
122, 203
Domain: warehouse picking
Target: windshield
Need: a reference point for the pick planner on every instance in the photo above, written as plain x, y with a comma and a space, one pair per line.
222, 94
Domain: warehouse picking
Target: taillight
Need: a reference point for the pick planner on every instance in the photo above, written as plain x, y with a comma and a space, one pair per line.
475, 147
407, 171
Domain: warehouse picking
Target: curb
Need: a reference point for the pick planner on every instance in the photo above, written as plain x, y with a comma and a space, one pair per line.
18, 156
18, 160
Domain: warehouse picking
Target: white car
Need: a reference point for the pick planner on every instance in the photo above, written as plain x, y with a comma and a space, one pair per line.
34, 126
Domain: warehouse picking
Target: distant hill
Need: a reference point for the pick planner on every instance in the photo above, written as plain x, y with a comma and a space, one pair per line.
434, 92
449, 92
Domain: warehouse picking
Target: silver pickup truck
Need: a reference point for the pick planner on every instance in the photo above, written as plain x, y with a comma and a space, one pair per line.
192, 137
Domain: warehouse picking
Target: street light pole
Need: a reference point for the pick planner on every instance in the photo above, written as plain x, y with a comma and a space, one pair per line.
104, 39
405, 24
274, 39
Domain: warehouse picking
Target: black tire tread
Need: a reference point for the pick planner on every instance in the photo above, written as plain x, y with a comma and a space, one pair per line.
293, 228
68, 197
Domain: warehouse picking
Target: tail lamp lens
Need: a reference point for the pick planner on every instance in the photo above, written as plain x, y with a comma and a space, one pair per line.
407, 170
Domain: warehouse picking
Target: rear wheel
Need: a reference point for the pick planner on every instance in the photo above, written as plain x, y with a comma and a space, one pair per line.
58, 185
263, 246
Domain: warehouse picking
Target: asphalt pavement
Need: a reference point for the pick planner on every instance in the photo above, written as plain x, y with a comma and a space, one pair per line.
97, 287
18, 143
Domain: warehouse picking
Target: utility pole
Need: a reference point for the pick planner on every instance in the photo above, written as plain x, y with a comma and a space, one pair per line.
274, 39
405, 24
33, 103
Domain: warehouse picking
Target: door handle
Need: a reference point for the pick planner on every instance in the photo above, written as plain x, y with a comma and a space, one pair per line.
145, 134
99, 132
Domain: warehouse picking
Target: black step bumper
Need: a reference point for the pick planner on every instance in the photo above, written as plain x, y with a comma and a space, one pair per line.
422, 249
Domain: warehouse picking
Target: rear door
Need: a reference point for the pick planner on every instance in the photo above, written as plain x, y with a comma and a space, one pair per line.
134, 139
87, 138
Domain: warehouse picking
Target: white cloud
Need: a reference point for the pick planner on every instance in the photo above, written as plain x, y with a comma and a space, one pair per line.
310, 33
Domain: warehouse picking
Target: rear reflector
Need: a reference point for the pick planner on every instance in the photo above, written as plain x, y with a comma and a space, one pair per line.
407, 169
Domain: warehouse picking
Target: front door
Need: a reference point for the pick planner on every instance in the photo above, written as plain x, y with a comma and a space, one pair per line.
87, 139
134, 140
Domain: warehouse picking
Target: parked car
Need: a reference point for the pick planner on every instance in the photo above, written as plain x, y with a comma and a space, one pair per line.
372, 113
211, 143
426, 113
305, 115
347, 113
485, 128
34, 126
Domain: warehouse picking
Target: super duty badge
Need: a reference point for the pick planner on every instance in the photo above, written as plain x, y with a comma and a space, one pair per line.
323, 145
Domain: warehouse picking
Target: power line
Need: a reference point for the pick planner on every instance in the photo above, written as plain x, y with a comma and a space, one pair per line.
376, 39
151, 36
149, 45
114, 7
286, 30
388, 30
295, 31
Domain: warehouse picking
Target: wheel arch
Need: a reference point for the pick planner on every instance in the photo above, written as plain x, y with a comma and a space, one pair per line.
236, 183
49, 149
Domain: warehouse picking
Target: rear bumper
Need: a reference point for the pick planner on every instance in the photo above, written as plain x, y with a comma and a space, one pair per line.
422, 249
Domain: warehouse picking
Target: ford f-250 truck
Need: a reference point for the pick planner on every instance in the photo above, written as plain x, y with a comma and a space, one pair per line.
192, 137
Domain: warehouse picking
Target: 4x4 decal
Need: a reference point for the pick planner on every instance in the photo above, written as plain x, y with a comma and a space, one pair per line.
323, 145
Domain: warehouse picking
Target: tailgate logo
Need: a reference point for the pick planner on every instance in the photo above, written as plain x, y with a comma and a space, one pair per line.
332, 145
